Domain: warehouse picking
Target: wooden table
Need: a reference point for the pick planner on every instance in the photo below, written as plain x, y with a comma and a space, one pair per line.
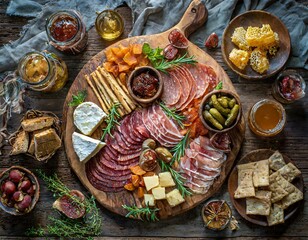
293, 142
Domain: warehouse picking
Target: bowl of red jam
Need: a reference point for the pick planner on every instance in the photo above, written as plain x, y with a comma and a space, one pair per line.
145, 84
288, 87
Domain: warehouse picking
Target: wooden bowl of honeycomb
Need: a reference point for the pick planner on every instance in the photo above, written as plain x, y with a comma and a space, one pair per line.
256, 45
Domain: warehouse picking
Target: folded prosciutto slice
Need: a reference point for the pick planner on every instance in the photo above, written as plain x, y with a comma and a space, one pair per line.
201, 164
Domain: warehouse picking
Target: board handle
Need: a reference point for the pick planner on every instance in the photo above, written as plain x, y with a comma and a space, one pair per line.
194, 17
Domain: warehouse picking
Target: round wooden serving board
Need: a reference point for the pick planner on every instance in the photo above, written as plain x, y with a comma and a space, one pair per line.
194, 17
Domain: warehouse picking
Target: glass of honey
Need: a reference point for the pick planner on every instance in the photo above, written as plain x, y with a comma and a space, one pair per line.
109, 25
267, 118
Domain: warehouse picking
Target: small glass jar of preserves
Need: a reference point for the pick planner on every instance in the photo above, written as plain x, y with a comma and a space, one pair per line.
67, 32
267, 118
288, 87
43, 71
109, 24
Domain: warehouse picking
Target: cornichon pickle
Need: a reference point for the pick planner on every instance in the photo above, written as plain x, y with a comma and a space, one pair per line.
233, 115
221, 109
231, 103
214, 112
223, 102
208, 117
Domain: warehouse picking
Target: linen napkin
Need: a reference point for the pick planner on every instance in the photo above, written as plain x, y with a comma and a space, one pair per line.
154, 16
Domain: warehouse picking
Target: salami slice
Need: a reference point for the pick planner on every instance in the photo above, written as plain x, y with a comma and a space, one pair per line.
172, 90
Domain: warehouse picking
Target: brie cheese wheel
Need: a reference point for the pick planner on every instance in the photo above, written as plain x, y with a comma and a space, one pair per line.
87, 117
86, 147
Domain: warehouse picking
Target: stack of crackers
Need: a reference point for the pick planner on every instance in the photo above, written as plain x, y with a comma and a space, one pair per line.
267, 187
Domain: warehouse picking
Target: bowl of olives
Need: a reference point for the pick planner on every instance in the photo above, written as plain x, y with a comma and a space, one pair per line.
19, 190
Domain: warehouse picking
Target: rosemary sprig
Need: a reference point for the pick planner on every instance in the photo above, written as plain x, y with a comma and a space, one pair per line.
178, 178
78, 99
163, 65
111, 120
145, 213
90, 225
159, 62
171, 113
179, 149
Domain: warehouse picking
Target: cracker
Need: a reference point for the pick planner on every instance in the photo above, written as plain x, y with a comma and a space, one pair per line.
293, 197
261, 173
245, 187
289, 172
276, 215
277, 177
264, 195
257, 206
251, 165
276, 161
241, 175
280, 187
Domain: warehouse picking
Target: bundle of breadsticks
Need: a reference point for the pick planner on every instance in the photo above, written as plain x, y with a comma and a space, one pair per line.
110, 90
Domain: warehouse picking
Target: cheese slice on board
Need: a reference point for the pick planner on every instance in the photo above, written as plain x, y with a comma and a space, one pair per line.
86, 147
87, 117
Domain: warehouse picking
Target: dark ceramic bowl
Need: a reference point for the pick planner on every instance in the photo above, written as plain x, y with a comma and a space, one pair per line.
256, 18
206, 100
152, 71
4, 175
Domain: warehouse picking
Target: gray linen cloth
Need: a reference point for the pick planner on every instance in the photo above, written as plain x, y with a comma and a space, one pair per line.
154, 16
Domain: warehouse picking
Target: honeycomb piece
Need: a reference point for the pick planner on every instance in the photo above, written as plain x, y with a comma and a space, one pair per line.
259, 61
239, 58
239, 38
260, 37
273, 48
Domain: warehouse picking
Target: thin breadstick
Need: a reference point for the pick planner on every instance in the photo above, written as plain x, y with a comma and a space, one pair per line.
122, 85
109, 91
102, 91
96, 94
118, 92
113, 82
126, 91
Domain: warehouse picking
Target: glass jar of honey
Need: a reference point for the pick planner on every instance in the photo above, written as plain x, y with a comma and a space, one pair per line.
266, 118
288, 87
67, 32
42, 71
109, 25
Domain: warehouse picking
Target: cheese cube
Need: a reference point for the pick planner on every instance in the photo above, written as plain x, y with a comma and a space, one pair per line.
166, 180
159, 193
149, 200
174, 198
151, 182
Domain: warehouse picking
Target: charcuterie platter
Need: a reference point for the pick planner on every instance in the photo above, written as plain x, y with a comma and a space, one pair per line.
122, 151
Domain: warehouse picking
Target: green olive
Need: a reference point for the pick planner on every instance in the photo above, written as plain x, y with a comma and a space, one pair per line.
163, 154
149, 143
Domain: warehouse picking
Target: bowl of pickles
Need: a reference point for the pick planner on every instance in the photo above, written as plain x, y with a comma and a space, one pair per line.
220, 110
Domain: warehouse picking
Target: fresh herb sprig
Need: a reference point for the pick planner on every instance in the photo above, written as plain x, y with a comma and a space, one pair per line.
163, 65
179, 149
178, 178
145, 213
219, 86
111, 120
90, 225
78, 99
171, 113
159, 62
